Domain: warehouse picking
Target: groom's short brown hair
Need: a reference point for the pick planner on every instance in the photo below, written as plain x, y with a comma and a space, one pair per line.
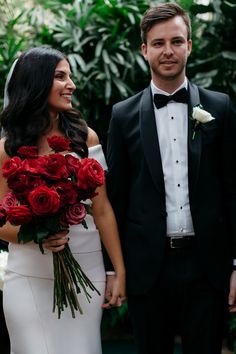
160, 13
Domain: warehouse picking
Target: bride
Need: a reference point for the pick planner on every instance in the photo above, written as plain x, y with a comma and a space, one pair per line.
39, 92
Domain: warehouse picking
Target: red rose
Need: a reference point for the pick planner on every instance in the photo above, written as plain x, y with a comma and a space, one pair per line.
90, 175
59, 143
73, 164
73, 215
22, 184
9, 200
18, 215
28, 152
30, 166
34, 181
44, 201
18, 182
67, 192
53, 166
2, 216
10, 166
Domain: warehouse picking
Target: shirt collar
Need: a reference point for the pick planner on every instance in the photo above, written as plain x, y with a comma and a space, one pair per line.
156, 89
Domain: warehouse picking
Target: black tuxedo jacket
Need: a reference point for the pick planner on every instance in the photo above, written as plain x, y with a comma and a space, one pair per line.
137, 192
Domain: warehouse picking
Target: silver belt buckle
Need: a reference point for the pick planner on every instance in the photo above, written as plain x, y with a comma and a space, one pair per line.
172, 240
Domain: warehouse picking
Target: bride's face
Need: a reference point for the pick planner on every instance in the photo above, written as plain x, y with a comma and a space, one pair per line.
59, 98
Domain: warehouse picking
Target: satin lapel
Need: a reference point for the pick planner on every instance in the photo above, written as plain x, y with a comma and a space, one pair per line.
194, 143
150, 142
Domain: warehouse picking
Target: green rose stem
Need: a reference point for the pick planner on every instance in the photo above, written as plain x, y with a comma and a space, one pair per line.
67, 275
63, 288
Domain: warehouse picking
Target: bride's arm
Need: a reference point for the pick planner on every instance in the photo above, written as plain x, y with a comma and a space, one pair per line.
8, 232
105, 222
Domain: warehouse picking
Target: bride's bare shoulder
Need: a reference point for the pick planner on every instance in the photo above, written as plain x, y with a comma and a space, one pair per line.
3, 154
92, 139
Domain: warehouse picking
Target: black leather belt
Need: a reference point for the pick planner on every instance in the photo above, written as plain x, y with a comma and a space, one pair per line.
176, 242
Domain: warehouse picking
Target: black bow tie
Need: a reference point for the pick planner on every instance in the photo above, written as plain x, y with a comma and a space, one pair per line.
179, 96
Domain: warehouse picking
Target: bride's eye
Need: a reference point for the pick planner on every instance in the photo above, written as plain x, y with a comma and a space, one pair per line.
60, 76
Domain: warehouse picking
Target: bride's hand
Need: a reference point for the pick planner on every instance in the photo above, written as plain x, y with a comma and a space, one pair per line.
56, 242
115, 294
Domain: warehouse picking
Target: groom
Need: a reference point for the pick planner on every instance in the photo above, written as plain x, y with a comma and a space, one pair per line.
172, 184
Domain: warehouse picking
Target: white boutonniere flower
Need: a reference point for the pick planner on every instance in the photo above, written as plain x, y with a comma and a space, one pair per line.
200, 116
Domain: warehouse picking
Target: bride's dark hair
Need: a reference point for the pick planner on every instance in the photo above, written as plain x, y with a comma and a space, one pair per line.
26, 118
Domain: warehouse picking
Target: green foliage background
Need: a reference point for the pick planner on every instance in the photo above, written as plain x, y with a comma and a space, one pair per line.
102, 41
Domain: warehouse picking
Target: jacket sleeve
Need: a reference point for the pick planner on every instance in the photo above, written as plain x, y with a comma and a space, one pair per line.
117, 175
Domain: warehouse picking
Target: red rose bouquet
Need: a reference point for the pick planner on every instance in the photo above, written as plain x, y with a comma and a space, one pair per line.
47, 194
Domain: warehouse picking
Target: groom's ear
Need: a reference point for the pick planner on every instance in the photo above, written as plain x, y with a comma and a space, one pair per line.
189, 44
144, 50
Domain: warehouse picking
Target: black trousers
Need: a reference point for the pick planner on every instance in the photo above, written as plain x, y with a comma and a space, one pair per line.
181, 302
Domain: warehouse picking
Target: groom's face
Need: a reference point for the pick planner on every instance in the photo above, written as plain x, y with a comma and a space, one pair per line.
167, 50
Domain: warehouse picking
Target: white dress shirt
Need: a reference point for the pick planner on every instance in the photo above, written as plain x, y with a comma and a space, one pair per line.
172, 127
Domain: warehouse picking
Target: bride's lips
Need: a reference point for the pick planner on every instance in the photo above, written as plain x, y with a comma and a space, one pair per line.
67, 96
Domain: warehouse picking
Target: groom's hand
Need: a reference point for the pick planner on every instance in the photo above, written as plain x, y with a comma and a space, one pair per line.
232, 292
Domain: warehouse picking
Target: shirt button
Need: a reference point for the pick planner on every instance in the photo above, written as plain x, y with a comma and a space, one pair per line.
177, 161
178, 185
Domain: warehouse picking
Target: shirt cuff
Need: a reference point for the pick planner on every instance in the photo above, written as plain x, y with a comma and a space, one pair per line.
111, 273
234, 264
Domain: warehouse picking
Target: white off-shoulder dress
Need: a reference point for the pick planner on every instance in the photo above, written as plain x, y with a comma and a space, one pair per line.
28, 295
